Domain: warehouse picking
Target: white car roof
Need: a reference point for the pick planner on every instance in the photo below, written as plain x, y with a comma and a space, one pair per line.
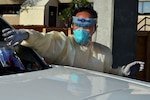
68, 83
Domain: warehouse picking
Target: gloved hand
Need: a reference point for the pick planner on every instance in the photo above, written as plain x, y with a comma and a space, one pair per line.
126, 70
14, 37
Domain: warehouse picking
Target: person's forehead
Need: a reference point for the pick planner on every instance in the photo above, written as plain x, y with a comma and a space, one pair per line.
83, 14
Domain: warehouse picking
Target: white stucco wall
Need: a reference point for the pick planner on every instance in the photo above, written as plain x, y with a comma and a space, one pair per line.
143, 22
37, 14
105, 10
12, 19
32, 16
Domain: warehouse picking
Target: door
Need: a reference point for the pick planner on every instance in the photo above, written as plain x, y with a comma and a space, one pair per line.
52, 16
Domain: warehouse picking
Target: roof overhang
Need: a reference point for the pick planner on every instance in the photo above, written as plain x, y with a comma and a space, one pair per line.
68, 1
7, 2
32, 3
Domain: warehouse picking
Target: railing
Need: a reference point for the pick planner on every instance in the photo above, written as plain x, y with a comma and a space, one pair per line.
42, 28
144, 21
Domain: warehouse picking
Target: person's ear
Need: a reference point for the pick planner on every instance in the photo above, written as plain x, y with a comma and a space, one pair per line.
71, 25
95, 27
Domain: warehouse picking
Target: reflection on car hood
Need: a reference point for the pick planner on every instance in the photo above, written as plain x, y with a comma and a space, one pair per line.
65, 83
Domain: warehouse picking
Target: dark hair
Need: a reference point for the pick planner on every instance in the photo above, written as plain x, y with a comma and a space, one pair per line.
90, 10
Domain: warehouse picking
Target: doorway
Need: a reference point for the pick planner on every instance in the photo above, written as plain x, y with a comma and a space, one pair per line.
52, 16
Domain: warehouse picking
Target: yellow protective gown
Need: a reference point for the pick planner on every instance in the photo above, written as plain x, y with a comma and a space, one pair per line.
57, 48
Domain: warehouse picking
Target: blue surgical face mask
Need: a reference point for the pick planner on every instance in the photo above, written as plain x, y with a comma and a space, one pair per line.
81, 36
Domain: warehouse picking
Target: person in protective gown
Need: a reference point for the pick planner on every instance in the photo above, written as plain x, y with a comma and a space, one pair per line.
75, 50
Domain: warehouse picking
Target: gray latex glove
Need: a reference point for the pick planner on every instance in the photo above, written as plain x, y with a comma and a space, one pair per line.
14, 37
126, 70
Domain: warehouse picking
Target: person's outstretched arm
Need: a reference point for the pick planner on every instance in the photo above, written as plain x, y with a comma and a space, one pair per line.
14, 37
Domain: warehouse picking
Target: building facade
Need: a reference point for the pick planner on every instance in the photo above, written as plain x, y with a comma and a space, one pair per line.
34, 12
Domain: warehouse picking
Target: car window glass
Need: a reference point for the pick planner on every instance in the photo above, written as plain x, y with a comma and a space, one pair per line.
3, 25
